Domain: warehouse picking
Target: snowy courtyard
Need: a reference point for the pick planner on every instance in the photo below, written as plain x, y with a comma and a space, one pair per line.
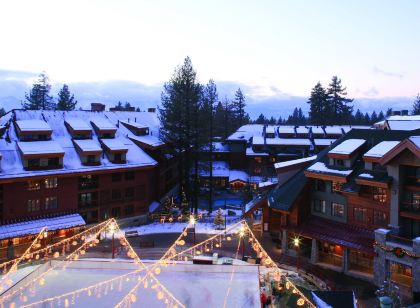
193, 285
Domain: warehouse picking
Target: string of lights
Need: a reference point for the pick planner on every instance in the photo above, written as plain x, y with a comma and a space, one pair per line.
231, 276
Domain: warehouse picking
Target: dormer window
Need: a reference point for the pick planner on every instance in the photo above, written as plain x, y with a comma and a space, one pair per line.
346, 152
32, 130
103, 128
115, 150
89, 151
137, 129
78, 129
41, 155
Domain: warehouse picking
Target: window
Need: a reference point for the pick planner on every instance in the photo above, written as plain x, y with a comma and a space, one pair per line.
115, 212
116, 177
339, 162
33, 205
258, 160
51, 183
272, 159
43, 162
380, 218
320, 206
34, 185
91, 159
336, 187
118, 157
116, 194
360, 214
87, 199
129, 176
337, 209
379, 194
53, 161
141, 191
129, 192
320, 185
33, 163
257, 170
51, 203
88, 182
129, 210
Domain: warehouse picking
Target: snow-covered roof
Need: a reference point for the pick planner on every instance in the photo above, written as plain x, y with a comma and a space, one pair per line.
103, 123
381, 148
415, 140
366, 175
32, 125
153, 206
78, 124
324, 142
40, 147
265, 184
257, 140
114, 144
235, 175
348, 146
152, 141
135, 124
404, 124
404, 118
294, 162
250, 152
33, 227
322, 168
270, 129
88, 145
12, 165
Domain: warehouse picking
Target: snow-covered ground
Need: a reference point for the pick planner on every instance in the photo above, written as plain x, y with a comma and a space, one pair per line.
193, 285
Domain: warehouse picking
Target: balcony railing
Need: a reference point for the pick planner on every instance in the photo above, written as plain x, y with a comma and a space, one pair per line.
329, 258
400, 240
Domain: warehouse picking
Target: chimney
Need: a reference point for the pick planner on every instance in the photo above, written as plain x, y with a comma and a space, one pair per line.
404, 112
151, 109
396, 112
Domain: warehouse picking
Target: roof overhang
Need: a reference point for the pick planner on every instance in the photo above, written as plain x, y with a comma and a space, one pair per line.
326, 176
405, 145
373, 183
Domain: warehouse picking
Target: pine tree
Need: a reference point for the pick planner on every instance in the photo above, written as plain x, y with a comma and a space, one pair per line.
219, 116
416, 106
219, 220
280, 121
366, 120
318, 105
180, 101
65, 99
272, 121
209, 97
381, 116
388, 112
359, 119
373, 118
238, 108
261, 119
338, 111
38, 97
2, 112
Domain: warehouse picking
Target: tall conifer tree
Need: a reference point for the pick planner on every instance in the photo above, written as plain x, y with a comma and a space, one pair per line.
39, 95
318, 105
339, 111
65, 99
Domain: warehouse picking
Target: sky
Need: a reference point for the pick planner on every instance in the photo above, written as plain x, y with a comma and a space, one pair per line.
274, 49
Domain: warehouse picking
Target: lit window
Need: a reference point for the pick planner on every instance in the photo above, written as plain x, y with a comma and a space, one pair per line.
337, 209
258, 160
336, 186
320, 185
51, 203
34, 185
379, 194
33, 205
51, 183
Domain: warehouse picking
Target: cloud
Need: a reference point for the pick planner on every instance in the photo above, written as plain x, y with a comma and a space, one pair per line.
379, 71
371, 92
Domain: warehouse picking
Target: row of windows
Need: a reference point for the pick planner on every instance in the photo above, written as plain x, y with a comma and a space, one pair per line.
49, 183
34, 205
43, 162
361, 215
337, 209
128, 176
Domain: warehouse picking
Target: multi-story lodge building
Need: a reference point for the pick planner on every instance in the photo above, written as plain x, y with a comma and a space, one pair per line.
96, 164
354, 208
247, 157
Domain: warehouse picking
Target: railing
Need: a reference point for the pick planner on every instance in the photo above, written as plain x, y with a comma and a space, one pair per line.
400, 240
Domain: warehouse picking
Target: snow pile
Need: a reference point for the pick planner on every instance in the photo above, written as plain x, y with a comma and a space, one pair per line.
366, 175
294, 162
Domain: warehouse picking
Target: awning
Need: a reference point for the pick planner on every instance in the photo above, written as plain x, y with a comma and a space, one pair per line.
338, 233
33, 227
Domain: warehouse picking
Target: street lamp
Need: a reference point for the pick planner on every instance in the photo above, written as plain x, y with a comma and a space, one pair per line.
242, 235
45, 235
296, 243
192, 222
112, 230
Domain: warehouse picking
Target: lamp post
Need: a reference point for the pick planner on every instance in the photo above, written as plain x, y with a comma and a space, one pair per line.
45, 236
112, 230
225, 216
296, 243
192, 222
242, 235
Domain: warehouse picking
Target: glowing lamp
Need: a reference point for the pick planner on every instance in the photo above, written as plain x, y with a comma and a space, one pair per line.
192, 220
296, 242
